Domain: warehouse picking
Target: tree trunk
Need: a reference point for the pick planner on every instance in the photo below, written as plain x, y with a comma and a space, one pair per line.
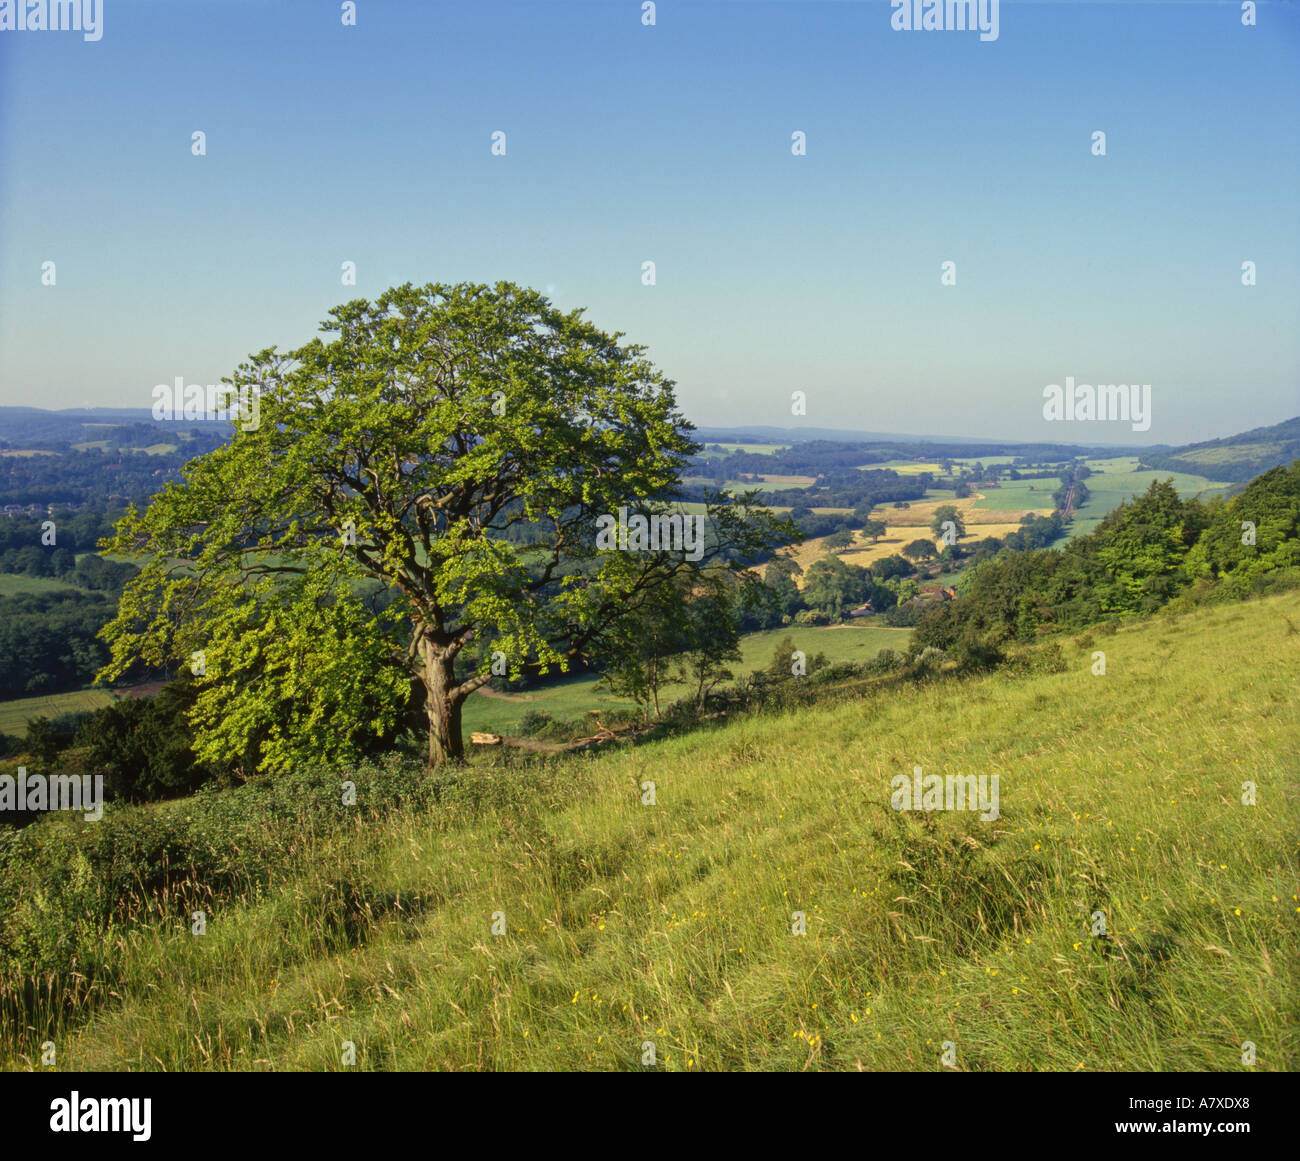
442, 705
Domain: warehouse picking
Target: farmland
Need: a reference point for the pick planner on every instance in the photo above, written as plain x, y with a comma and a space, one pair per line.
15, 714
573, 697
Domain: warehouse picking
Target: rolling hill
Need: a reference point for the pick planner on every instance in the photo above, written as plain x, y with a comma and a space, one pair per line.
622, 925
1236, 458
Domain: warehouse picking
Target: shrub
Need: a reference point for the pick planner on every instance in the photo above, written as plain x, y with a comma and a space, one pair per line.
533, 722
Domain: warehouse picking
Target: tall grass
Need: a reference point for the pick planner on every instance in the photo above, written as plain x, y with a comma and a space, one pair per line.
672, 923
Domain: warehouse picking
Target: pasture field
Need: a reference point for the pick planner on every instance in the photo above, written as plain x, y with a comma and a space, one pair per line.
905, 467
11, 584
903, 525
15, 714
575, 696
987, 461
1020, 496
783, 509
921, 512
898, 536
758, 449
679, 923
766, 484
1234, 454
1116, 482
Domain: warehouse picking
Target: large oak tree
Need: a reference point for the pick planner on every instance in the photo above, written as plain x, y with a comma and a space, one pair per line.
415, 508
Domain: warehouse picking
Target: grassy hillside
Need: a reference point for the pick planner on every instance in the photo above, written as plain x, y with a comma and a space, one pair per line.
1117, 481
15, 714
1236, 457
671, 923
1114, 481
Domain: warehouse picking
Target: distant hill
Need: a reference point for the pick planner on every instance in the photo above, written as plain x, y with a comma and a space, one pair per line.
1235, 458
893, 445
788, 435
36, 427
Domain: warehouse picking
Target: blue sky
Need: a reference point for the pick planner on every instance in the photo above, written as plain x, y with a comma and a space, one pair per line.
672, 144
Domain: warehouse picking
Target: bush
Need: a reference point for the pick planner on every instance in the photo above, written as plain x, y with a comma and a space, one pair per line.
927, 662
558, 729
143, 747
886, 661
812, 617
533, 723
839, 671
903, 616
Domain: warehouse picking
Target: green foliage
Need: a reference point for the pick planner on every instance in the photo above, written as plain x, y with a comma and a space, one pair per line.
144, 747
48, 641
533, 723
833, 586
683, 631
1140, 558
419, 497
946, 513
379, 912
891, 566
1267, 513
1141, 547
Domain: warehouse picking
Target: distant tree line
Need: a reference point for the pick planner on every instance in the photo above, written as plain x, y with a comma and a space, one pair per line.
95, 476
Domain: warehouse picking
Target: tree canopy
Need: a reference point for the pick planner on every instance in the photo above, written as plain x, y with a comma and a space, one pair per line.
414, 508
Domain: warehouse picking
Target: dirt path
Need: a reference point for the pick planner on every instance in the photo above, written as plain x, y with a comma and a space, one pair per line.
487, 691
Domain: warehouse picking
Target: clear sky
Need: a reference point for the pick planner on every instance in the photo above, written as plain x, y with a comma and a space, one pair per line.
626, 143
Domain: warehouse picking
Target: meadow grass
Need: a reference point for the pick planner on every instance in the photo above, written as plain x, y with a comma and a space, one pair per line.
571, 698
14, 584
672, 923
1116, 483
15, 714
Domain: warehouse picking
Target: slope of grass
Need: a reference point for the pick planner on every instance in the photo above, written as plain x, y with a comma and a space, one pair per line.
15, 714
1116, 483
672, 923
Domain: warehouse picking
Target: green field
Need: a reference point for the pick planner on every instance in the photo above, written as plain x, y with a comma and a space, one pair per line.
14, 715
743, 485
12, 584
570, 698
987, 461
676, 923
758, 449
1017, 495
906, 467
1114, 481
1240, 453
